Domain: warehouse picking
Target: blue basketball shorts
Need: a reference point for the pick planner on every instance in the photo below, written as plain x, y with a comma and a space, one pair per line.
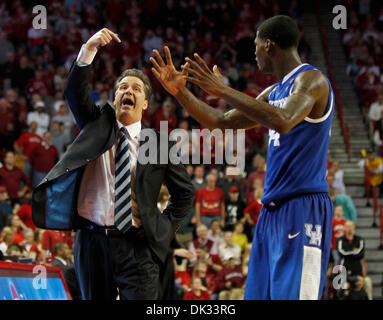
291, 249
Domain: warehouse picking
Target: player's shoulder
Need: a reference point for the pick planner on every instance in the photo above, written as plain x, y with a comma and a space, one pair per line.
312, 76
312, 81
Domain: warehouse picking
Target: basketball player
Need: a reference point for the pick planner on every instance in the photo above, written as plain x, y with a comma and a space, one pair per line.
292, 241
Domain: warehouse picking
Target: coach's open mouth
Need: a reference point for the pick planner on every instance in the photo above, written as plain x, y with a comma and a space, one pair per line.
127, 102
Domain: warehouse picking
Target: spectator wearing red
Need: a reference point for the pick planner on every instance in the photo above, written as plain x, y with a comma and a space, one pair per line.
196, 292
259, 173
208, 44
202, 239
17, 227
25, 215
337, 231
210, 203
230, 280
13, 178
165, 113
8, 123
37, 83
214, 263
43, 158
182, 278
25, 144
252, 211
208, 279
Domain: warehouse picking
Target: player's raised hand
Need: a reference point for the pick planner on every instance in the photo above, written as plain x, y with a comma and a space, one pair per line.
200, 74
101, 38
171, 79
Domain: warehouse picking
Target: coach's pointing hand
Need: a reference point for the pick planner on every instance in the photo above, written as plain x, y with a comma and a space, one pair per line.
101, 38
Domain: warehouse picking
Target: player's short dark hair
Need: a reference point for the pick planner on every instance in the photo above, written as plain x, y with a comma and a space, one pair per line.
282, 30
138, 74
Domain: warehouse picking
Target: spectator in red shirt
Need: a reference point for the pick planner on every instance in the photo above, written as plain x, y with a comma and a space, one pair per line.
25, 144
210, 203
202, 239
13, 178
36, 84
230, 280
252, 211
196, 292
260, 173
43, 158
17, 227
165, 113
8, 123
208, 279
25, 215
182, 277
213, 261
337, 231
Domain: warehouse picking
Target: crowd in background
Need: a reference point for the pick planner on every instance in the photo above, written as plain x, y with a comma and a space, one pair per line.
36, 127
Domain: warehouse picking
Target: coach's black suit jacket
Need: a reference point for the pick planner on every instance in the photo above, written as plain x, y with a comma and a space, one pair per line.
54, 200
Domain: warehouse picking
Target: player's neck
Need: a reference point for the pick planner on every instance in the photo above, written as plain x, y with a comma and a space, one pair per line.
285, 63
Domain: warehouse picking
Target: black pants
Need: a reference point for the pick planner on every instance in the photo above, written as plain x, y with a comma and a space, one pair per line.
105, 263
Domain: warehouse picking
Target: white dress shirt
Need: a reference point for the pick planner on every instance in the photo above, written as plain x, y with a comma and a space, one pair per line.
96, 196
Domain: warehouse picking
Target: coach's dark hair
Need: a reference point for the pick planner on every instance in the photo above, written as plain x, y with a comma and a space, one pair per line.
139, 74
282, 30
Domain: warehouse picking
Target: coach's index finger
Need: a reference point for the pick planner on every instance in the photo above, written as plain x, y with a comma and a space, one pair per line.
114, 35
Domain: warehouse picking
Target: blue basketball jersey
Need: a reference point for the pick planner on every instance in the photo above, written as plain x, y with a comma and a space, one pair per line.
297, 161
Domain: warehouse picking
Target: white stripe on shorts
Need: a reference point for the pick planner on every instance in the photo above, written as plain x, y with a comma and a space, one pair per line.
311, 273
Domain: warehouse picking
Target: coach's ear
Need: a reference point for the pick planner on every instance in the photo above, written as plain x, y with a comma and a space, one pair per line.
146, 104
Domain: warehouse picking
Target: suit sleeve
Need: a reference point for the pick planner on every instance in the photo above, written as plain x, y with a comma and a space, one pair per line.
78, 94
181, 193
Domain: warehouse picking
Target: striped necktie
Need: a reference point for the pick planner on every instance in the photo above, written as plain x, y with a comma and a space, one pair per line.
123, 195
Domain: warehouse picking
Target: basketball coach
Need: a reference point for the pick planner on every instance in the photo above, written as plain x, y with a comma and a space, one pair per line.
100, 189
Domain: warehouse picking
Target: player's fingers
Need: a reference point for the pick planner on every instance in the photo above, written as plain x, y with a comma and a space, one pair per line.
192, 80
159, 58
185, 68
216, 71
191, 71
201, 62
156, 73
195, 65
155, 64
168, 56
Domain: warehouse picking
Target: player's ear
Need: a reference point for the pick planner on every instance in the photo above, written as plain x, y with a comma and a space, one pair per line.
267, 45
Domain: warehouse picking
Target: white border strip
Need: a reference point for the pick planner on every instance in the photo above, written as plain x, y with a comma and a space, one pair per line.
326, 115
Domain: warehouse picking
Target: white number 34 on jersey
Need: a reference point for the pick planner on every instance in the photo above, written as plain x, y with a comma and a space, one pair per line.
274, 135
